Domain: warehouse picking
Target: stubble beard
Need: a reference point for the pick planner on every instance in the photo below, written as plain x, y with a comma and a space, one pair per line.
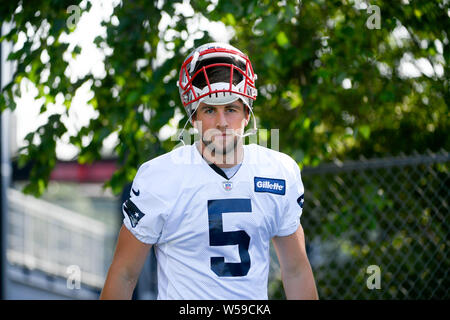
222, 153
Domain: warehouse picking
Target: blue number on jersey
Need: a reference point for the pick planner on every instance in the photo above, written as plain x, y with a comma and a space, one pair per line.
217, 237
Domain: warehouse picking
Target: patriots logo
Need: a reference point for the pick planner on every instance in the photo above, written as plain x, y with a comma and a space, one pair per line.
300, 200
133, 212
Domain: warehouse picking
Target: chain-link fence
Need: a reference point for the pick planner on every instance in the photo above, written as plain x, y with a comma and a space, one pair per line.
379, 228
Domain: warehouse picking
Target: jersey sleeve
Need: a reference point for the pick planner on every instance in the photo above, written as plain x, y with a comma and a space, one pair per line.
293, 203
145, 211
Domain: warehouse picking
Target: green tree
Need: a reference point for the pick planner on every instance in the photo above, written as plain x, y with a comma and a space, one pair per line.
333, 86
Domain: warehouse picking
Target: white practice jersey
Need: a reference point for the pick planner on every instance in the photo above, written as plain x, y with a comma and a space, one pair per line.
212, 235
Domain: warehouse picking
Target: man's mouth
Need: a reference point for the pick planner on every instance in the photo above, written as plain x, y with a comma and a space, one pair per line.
224, 134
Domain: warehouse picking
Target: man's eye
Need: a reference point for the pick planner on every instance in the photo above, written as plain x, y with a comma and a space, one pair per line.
209, 110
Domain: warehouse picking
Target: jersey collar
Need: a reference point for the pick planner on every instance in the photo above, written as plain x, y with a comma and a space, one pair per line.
214, 167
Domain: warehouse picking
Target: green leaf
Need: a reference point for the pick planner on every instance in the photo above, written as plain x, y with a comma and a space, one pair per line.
365, 131
268, 23
229, 19
132, 98
282, 39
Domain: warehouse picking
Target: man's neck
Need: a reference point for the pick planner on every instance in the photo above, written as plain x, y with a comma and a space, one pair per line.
229, 160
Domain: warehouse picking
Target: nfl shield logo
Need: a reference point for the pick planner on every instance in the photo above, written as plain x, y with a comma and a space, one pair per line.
227, 185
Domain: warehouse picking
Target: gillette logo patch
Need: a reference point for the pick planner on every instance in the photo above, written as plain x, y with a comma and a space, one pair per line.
277, 186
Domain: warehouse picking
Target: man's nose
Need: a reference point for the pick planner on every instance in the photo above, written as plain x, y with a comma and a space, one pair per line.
221, 119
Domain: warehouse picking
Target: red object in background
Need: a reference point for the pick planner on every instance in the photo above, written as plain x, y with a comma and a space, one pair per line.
72, 171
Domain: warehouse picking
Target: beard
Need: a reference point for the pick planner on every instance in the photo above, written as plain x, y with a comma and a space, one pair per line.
223, 151
223, 148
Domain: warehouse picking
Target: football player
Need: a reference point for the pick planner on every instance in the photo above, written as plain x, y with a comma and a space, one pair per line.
210, 209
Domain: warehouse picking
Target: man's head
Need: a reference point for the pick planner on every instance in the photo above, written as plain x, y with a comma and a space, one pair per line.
217, 88
216, 74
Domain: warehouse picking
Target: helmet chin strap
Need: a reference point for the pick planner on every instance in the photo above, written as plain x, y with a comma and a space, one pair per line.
180, 136
251, 131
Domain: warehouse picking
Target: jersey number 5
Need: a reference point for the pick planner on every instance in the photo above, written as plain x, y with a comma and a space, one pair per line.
217, 237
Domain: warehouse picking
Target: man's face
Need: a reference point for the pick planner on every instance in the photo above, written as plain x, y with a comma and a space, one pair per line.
221, 125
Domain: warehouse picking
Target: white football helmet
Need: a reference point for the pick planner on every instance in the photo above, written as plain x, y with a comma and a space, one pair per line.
212, 55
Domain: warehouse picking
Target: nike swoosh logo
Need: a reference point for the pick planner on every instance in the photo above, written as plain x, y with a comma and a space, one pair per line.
136, 193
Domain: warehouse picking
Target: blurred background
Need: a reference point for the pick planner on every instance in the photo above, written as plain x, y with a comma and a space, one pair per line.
358, 90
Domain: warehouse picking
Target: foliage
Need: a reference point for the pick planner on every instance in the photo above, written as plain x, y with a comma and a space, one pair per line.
331, 85
334, 87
